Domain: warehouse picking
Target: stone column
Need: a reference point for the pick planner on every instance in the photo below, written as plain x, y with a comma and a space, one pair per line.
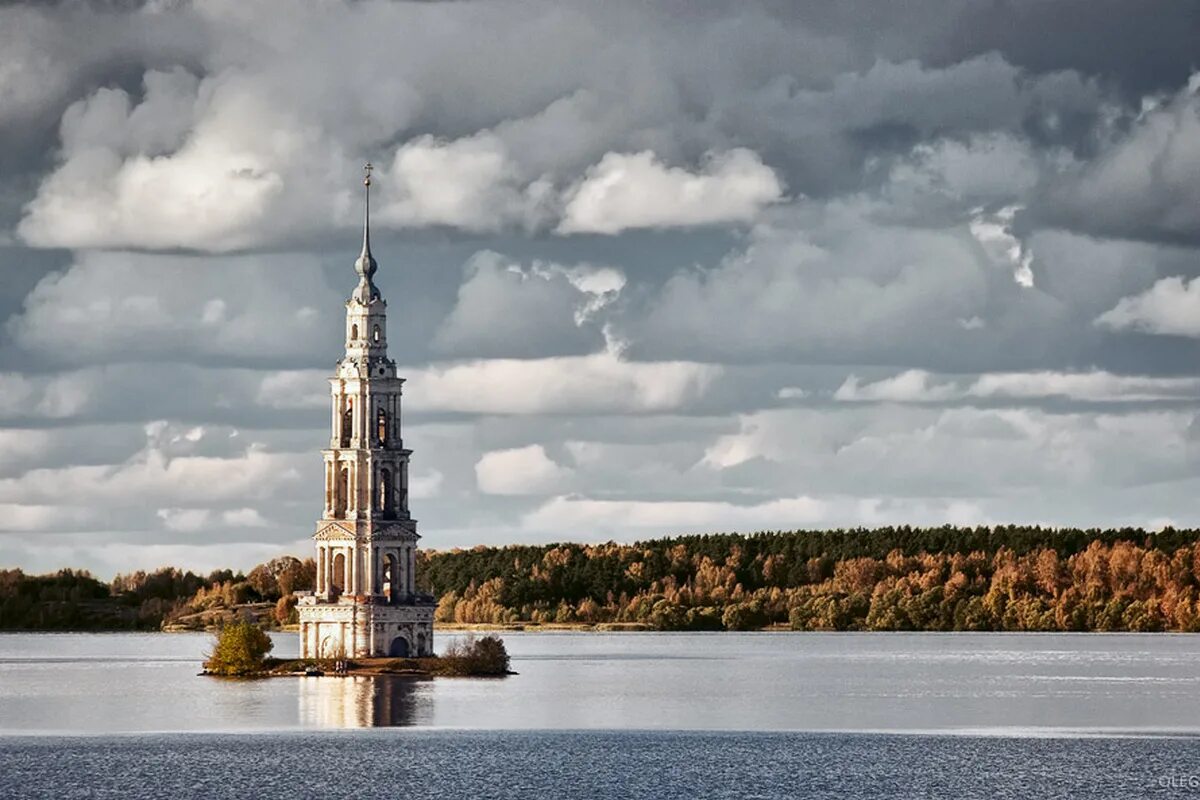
320, 569
369, 569
335, 431
412, 569
330, 476
356, 437
329, 557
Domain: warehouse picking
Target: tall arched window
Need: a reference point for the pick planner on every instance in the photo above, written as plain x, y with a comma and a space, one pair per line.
353, 331
339, 573
375, 334
341, 491
381, 432
348, 422
384, 501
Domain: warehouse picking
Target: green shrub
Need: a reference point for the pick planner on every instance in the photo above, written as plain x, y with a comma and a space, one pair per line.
744, 617
471, 656
239, 650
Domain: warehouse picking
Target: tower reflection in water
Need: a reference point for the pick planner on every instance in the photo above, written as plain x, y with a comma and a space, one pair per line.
365, 702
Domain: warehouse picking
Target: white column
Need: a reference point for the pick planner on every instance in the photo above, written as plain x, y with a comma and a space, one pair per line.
329, 557
369, 570
320, 568
377, 559
358, 419
330, 488
397, 573
412, 567
335, 431
404, 552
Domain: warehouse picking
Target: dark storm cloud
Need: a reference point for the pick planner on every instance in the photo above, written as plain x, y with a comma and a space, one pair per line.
650, 266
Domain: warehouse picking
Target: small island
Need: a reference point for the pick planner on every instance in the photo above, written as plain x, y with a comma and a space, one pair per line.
241, 651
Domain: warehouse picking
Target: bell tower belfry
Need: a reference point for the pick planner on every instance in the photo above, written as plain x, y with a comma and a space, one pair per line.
366, 602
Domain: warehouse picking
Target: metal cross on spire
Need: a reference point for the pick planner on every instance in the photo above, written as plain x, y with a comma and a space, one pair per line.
365, 265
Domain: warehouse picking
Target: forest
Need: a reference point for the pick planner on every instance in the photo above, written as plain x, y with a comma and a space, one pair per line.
75, 600
938, 579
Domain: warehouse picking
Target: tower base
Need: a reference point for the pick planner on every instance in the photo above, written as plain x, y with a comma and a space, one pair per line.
354, 627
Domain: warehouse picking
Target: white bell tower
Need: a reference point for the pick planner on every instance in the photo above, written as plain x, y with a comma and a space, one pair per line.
366, 602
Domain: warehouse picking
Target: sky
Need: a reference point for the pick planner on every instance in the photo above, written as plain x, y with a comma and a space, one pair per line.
652, 268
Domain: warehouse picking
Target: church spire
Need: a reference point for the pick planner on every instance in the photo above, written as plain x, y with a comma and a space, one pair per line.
365, 266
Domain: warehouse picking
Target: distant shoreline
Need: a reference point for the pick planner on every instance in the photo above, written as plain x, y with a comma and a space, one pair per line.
571, 627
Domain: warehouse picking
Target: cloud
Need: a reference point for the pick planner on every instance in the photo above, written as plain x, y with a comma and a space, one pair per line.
983, 169
1095, 386
636, 190
603, 516
468, 183
506, 309
910, 385
1021, 461
24, 517
994, 234
521, 470
154, 475
1171, 306
243, 518
624, 519
598, 383
184, 520
240, 136
132, 175
919, 386
647, 333
1143, 185
110, 307
823, 283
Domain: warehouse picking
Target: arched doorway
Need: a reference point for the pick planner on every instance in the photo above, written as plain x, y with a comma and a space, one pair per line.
398, 648
339, 573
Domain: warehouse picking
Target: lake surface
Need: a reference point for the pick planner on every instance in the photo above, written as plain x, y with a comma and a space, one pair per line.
617, 715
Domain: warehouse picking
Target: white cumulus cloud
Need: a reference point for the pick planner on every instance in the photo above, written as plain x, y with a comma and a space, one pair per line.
1170, 306
521, 470
636, 190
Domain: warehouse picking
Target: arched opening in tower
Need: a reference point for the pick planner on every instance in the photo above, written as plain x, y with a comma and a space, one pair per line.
348, 422
391, 577
385, 492
339, 574
341, 492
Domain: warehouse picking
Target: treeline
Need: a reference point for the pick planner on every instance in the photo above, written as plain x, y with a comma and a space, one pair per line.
75, 600
941, 579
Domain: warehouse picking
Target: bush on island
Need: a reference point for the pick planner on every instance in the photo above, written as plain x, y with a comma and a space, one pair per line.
239, 650
471, 656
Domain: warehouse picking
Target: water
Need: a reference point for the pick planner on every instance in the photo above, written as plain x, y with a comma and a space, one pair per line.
629, 765
617, 715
